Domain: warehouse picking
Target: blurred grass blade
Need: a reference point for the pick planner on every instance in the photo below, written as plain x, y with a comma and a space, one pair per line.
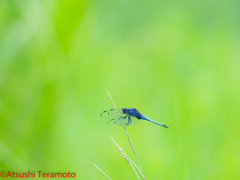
129, 160
101, 171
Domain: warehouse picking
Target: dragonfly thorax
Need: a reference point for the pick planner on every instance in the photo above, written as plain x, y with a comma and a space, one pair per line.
134, 112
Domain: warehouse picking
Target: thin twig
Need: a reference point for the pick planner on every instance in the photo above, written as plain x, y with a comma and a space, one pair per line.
128, 159
127, 135
101, 171
125, 156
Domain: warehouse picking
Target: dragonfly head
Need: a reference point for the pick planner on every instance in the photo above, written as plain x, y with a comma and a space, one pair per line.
124, 109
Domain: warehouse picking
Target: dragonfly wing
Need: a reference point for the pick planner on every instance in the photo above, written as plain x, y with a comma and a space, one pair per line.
111, 114
119, 121
114, 113
132, 121
112, 121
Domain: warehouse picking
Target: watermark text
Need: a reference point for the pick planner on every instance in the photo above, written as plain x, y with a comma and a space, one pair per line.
40, 174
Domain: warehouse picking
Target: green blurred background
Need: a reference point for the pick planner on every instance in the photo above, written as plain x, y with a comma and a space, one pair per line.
178, 62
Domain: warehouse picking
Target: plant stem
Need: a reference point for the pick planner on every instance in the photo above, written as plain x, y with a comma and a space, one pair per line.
127, 135
130, 161
101, 171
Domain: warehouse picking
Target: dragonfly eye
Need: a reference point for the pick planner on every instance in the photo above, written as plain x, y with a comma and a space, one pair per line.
124, 109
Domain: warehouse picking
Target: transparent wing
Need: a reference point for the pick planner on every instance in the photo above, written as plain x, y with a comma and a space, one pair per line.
112, 121
132, 121
111, 114
118, 120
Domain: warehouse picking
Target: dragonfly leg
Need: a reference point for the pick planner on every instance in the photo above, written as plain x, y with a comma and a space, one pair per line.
129, 121
124, 117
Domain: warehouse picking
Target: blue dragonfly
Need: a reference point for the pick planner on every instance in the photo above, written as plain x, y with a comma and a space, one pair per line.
129, 116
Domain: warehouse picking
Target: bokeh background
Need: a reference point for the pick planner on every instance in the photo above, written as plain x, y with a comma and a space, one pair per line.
178, 62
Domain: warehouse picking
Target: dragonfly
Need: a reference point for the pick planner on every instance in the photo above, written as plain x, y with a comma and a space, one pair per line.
129, 116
